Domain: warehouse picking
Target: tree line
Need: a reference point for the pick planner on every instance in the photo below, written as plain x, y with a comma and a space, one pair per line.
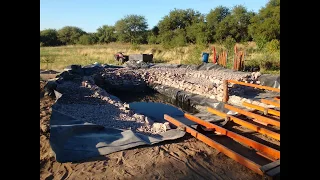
179, 28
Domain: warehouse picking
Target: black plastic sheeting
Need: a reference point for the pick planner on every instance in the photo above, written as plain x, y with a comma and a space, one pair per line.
270, 80
73, 140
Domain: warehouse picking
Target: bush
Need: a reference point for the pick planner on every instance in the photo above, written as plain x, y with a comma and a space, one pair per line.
179, 41
49, 37
70, 35
273, 46
152, 39
86, 40
229, 43
195, 56
266, 61
261, 41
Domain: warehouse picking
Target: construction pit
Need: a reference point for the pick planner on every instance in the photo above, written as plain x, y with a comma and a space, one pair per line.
159, 122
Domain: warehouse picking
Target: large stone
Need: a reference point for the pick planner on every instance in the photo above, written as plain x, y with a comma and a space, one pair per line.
157, 127
166, 126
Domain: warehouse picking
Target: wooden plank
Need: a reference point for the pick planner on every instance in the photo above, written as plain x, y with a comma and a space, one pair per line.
246, 124
253, 115
265, 150
266, 101
260, 108
255, 85
228, 152
270, 166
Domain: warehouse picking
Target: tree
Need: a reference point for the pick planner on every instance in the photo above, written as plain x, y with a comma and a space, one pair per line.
266, 24
179, 19
173, 27
106, 34
235, 25
87, 39
198, 33
214, 17
132, 28
70, 34
49, 37
153, 35
155, 30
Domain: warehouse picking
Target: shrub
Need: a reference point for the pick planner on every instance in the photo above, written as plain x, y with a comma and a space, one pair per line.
229, 43
273, 46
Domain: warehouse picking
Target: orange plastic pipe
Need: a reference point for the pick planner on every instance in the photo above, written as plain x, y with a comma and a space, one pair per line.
253, 115
274, 154
270, 102
254, 85
228, 152
260, 108
246, 124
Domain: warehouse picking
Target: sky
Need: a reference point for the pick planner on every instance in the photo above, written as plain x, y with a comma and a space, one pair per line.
89, 15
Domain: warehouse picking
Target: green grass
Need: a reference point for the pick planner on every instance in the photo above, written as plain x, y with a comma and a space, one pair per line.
63, 56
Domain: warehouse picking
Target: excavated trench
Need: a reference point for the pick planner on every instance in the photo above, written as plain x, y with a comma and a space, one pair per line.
152, 96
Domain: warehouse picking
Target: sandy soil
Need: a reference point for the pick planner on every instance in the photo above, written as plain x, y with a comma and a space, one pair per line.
185, 158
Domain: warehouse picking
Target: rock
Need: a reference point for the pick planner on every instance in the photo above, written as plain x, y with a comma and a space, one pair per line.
248, 101
117, 104
128, 112
139, 116
255, 75
126, 105
166, 126
105, 98
157, 127
122, 108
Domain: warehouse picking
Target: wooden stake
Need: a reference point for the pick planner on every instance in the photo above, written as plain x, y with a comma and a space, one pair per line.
225, 91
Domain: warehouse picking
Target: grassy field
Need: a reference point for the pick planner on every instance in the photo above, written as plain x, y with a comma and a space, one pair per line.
56, 58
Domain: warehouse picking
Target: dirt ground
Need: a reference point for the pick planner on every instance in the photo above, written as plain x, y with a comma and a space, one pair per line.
185, 158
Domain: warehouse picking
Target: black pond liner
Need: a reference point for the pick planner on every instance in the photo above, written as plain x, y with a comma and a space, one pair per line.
151, 95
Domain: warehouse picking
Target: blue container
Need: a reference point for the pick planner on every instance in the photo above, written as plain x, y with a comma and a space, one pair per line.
205, 57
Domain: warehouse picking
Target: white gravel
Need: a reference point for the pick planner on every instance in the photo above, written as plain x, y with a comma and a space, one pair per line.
87, 102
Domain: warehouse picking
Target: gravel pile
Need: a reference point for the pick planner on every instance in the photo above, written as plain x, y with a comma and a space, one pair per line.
208, 83
105, 114
88, 102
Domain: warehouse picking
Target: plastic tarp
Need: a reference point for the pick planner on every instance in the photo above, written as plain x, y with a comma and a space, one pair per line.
73, 140
270, 80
